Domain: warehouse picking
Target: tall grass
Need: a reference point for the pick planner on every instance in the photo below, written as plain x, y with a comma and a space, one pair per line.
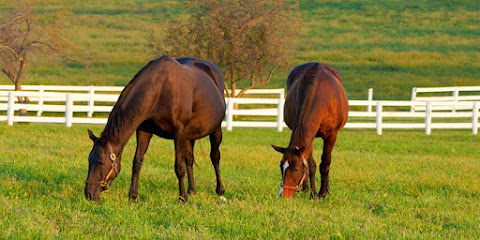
391, 46
398, 185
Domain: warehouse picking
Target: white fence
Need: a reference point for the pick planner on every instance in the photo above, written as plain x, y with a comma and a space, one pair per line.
89, 100
468, 115
447, 94
377, 115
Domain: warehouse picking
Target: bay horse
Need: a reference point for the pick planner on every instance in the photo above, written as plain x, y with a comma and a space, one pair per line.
180, 99
316, 106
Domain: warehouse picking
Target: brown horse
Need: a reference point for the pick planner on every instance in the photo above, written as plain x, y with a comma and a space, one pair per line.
316, 106
180, 99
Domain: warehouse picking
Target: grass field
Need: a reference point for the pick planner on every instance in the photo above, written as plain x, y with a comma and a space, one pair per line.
390, 46
399, 185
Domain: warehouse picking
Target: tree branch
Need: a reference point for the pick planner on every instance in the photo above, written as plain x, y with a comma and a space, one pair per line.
11, 50
253, 85
32, 43
9, 75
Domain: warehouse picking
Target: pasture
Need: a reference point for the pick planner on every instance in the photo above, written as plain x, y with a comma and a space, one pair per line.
402, 184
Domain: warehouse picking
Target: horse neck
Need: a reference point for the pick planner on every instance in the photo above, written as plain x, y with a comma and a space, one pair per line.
124, 119
121, 124
305, 126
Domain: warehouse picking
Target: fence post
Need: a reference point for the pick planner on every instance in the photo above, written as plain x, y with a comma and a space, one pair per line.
428, 118
370, 98
40, 101
455, 100
68, 110
379, 117
475, 118
10, 108
229, 117
91, 101
413, 99
281, 104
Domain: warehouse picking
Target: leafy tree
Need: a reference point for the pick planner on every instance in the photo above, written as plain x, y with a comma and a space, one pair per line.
248, 39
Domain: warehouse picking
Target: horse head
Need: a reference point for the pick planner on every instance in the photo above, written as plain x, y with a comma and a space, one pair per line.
103, 167
294, 169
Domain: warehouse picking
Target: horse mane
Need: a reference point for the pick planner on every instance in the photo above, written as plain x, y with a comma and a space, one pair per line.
117, 120
305, 100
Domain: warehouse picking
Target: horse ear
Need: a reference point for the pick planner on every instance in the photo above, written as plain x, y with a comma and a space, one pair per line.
91, 135
279, 149
298, 150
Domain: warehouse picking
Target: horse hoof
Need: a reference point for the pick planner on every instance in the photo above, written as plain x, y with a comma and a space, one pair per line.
223, 198
182, 199
191, 192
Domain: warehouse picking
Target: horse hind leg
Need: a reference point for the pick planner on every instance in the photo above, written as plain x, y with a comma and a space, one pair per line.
329, 143
215, 141
143, 140
190, 160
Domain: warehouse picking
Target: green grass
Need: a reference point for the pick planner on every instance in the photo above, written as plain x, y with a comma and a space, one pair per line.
390, 46
402, 184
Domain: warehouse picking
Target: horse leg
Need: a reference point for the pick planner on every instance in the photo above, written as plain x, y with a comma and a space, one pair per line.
305, 183
312, 168
143, 140
189, 159
328, 143
180, 165
215, 140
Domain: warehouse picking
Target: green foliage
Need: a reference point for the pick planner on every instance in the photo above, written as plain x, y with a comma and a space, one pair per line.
248, 40
402, 184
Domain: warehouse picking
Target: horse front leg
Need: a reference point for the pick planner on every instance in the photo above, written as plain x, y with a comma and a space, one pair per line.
312, 169
215, 141
143, 140
189, 159
328, 144
180, 165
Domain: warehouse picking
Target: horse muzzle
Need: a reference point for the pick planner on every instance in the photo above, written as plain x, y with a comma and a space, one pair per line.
92, 192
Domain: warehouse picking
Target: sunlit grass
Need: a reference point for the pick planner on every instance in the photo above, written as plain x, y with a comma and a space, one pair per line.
402, 184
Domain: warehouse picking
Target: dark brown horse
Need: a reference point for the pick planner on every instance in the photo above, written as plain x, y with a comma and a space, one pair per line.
180, 99
316, 106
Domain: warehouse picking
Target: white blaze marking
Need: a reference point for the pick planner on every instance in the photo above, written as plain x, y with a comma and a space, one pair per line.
285, 166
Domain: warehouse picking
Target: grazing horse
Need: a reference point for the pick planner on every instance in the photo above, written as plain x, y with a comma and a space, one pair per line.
180, 99
316, 106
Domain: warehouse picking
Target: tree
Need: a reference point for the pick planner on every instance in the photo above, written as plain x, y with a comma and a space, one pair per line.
21, 37
248, 39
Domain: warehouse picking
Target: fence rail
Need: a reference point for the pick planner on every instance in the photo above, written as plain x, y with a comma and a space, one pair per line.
425, 94
376, 115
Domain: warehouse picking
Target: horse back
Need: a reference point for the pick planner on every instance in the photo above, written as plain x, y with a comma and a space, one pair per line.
206, 67
315, 92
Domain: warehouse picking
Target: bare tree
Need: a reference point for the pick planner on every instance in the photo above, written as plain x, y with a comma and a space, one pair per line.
248, 39
20, 37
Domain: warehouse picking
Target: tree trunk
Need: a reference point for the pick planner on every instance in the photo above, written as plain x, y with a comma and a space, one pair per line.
18, 87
